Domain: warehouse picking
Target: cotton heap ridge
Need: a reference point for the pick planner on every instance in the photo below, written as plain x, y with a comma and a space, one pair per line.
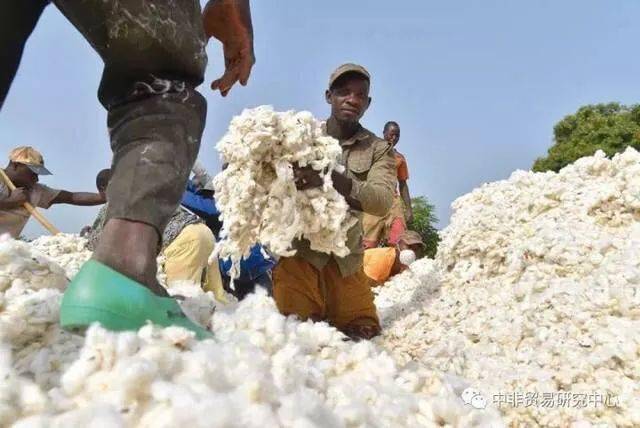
535, 289
257, 194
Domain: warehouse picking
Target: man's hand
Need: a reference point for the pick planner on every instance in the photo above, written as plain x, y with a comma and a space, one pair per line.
306, 177
229, 21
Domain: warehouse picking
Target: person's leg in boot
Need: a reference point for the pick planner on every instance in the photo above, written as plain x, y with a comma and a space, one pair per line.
154, 57
350, 303
154, 140
17, 21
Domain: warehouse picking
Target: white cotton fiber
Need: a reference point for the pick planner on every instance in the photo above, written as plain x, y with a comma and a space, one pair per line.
535, 288
262, 369
257, 194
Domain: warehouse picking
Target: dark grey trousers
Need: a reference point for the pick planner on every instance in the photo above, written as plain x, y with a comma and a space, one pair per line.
154, 57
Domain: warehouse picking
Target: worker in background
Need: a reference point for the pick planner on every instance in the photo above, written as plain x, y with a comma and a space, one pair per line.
154, 57
187, 243
26, 164
388, 229
320, 286
382, 263
102, 181
199, 199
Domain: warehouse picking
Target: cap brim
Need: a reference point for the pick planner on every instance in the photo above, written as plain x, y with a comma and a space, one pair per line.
39, 169
342, 73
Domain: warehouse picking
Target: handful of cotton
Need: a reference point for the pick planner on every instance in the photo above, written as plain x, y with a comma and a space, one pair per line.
257, 194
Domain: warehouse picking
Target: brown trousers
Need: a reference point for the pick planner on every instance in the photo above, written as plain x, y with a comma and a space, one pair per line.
323, 295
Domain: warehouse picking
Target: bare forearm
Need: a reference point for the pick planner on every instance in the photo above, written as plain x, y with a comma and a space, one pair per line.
376, 193
220, 14
79, 198
87, 199
404, 193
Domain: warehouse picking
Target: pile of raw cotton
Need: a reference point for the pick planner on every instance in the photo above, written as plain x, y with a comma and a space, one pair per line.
257, 194
69, 251
535, 290
262, 369
31, 287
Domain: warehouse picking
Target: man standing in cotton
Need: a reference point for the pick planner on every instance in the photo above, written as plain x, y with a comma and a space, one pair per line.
154, 58
320, 286
389, 229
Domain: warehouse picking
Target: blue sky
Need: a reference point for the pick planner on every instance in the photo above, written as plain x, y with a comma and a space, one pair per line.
475, 85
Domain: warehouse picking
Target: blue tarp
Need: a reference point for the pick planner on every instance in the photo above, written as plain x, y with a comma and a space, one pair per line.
252, 267
198, 203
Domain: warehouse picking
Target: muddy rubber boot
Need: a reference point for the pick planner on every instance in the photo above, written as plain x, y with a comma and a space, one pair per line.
100, 294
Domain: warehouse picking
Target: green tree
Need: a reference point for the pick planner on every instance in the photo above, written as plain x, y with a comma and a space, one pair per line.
608, 127
424, 218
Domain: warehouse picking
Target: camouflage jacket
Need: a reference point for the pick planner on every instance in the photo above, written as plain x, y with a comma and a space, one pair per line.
370, 163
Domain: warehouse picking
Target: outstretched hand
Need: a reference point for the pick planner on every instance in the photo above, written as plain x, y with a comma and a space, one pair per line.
229, 21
